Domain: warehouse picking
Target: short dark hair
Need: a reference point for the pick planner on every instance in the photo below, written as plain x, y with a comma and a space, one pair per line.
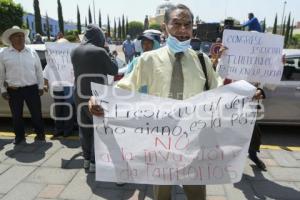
251, 15
172, 8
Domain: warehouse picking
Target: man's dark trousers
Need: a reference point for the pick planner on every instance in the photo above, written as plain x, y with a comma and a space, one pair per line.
29, 94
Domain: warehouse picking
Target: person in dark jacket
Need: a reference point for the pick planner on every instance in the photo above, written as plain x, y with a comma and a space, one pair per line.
91, 62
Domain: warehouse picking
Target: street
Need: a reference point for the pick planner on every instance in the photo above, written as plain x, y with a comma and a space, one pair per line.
53, 170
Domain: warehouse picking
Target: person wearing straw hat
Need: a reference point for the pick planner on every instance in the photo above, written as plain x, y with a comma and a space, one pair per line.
21, 79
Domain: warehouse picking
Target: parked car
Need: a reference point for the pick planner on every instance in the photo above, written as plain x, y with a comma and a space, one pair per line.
282, 105
46, 99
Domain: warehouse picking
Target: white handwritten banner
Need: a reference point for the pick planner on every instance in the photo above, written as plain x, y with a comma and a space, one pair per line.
152, 140
252, 56
59, 61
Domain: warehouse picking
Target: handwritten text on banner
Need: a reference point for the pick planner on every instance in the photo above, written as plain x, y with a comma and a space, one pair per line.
147, 139
251, 56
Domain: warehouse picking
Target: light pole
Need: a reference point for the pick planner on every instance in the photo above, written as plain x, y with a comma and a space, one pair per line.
284, 4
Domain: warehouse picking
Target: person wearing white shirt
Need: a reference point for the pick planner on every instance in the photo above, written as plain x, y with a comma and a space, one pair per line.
64, 106
21, 79
138, 47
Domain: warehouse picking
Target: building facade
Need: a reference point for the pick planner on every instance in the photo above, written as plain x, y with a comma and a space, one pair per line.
53, 24
160, 12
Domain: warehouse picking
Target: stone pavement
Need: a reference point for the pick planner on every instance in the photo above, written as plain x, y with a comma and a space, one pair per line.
53, 170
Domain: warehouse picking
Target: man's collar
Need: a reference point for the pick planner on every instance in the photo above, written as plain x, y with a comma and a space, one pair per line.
11, 48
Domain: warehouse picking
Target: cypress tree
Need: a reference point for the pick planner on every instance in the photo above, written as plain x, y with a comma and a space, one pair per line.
90, 16
115, 29
108, 26
119, 30
37, 17
27, 23
78, 21
60, 17
146, 23
47, 26
264, 25
126, 26
275, 25
283, 27
291, 32
123, 27
100, 19
287, 31
85, 22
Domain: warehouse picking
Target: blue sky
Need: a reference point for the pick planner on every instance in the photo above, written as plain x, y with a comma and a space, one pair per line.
207, 10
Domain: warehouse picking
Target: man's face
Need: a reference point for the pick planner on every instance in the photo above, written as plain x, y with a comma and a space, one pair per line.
180, 25
147, 45
17, 39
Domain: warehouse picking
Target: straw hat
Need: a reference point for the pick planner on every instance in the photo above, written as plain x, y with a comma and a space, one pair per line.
15, 29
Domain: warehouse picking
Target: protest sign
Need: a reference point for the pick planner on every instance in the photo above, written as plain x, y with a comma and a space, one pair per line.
251, 56
153, 140
59, 61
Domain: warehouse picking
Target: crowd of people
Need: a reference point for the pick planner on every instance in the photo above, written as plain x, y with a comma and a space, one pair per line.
23, 80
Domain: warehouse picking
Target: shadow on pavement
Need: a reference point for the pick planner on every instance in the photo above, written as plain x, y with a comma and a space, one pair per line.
25, 152
265, 188
4, 142
110, 191
73, 162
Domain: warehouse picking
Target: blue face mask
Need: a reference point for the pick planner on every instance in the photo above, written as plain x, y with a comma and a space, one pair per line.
176, 45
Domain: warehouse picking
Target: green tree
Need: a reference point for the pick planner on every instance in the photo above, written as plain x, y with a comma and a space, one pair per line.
90, 16
123, 27
78, 21
37, 17
275, 25
10, 14
155, 26
146, 23
47, 27
115, 29
135, 28
108, 26
100, 19
60, 17
287, 31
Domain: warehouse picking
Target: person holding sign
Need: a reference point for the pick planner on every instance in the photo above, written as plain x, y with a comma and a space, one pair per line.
172, 71
92, 63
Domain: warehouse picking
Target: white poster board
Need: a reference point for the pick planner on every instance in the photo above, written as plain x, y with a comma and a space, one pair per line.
58, 56
152, 140
252, 56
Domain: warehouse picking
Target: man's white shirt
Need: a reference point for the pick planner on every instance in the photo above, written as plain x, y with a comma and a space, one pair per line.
20, 69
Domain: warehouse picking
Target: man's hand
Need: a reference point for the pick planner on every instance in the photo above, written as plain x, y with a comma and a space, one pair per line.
41, 92
5, 96
259, 94
95, 109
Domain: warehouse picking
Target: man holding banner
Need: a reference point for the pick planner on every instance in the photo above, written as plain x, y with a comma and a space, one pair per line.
173, 71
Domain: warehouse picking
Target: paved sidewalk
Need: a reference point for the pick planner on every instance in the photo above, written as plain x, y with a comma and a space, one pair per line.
53, 170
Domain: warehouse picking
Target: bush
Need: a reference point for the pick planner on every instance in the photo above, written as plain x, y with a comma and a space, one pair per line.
71, 38
10, 14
